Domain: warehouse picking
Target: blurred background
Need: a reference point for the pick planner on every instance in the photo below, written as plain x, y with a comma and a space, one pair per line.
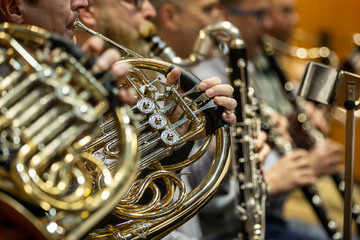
334, 24
330, 22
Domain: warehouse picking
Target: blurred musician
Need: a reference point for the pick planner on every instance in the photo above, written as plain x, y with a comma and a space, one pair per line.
253, 19
178, 24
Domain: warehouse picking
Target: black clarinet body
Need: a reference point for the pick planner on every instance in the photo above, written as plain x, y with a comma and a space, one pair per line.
310, 137
250, 204
252, 196
311, 193
355, 210
315, 136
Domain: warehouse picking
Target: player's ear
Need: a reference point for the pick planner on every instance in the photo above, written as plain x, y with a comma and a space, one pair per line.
11, 11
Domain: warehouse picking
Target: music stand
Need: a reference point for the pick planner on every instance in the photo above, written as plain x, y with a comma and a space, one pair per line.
329, 86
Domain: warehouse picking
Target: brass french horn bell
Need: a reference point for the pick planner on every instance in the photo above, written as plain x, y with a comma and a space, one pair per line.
152, 208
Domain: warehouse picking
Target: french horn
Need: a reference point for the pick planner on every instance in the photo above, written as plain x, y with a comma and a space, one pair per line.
51, 109
170, 118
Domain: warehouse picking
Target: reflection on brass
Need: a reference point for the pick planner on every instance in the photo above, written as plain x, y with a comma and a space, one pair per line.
51, 107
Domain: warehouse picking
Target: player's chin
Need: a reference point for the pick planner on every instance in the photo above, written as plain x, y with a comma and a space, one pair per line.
69, 34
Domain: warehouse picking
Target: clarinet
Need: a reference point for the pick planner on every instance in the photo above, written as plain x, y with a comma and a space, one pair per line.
251, 203
315, 136
355, 209
312, 135
284, 147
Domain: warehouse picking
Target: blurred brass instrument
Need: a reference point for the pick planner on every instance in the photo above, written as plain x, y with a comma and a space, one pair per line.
218, 34
51, 108
250, 205
321, 53
158, 201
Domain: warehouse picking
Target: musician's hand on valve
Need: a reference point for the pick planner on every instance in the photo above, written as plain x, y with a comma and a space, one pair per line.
221, 93
108, 60
326, 157
291, 171
213, 88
